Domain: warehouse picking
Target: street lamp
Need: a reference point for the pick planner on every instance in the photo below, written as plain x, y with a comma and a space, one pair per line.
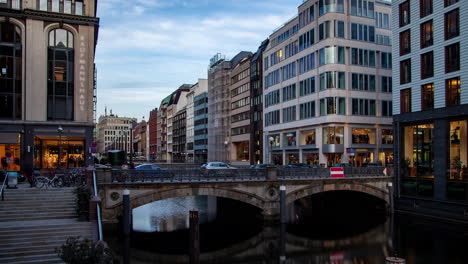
226, 148
270, 140
60, 131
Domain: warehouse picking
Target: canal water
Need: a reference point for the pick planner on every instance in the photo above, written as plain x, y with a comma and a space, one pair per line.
325, 230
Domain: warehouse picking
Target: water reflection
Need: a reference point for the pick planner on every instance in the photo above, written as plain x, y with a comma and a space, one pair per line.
173, 214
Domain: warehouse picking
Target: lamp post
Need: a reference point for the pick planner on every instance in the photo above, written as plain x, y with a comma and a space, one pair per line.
60, 131
270, 156
226, 149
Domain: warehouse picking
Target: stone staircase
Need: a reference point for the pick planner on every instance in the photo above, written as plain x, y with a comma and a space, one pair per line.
34, 222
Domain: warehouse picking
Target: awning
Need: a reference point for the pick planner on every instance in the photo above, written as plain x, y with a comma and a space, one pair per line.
9, 138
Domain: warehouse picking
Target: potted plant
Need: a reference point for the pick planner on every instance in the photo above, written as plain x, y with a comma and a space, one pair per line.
83, 196
77, 251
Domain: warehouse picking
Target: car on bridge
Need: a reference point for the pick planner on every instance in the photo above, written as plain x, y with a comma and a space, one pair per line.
147, 167
259, 166
298, 165
217, 166
343, 165
219, 169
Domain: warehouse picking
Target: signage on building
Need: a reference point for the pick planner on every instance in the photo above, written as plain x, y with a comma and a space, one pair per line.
82, 75
216, 58
350, 150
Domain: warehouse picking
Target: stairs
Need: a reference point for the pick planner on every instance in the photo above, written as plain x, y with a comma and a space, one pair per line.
34, 222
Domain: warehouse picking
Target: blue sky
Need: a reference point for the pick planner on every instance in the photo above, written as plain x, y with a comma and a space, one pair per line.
148, 48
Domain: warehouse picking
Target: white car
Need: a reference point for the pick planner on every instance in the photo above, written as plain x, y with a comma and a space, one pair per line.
217, 166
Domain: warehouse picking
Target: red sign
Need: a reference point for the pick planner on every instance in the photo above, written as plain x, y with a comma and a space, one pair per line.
337, 172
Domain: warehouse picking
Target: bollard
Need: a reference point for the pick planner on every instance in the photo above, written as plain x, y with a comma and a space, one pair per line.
194, 238
283, 243
390, 197
283, 213
126, 225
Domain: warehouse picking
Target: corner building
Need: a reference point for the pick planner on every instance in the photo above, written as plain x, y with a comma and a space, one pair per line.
328, 85
431, 105
47, 83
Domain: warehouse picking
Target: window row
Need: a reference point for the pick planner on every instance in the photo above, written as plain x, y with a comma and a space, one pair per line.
331, 29
240, 117
307, 63
306, 16
362, 8
289, 92
452, 95
240, 76
362, 32
289, 114
335, 54
241, 89
289, 71
240, 103
75, 7
363, 57
382, 20
240, 130
327, 6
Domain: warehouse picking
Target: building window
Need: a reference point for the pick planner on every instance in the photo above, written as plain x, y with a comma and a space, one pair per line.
307, 86
386, 60
276, 140
387, 108
79, 7
452, 58
425, 7
452, 89
405, 42
449, 2
405, 71
307, 110
405, 101
417, 163
362, 57
426, 34
362, 32
363, 136
386, 83
330, 80
333, 135
308, 137
326, 6
364, 107
457, 171
333, 106
363, 82
452, 24
289, 114
289, 92
10, 71
427, 65
60, 84
404, 13
67, 6
362, 8
427, 97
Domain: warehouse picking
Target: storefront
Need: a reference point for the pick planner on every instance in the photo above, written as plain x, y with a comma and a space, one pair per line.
292, 157
10, 151
311, 157
49, 150
308, 137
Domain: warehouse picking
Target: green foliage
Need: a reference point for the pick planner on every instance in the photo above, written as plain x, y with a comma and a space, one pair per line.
83, 196
77, 251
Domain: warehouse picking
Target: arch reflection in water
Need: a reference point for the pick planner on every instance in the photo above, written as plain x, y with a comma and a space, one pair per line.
173, 214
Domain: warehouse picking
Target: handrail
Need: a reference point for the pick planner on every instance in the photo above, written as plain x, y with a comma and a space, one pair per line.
3, 187
98, 207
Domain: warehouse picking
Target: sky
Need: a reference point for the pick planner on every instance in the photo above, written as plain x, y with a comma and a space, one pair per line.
148, 48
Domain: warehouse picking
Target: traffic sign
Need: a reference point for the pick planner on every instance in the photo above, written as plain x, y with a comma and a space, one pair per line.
337, 172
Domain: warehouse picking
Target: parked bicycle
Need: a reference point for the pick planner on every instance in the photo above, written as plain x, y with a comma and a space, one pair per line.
56, 181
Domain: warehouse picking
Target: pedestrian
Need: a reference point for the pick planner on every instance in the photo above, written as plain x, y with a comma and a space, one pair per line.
29, 174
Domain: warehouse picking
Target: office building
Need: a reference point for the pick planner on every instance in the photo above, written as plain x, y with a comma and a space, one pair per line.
430, 107
327, 85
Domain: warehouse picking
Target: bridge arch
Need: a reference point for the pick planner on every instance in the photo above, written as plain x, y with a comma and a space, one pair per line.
150, 196
357, 187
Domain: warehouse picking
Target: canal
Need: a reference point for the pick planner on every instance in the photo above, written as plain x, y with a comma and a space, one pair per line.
333, 227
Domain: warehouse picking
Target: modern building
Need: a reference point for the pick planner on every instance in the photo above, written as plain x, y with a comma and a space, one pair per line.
240, 113
431, 107
219, 105
114, 133
200, 105
200, 87
179, 146
256, 106
152, 133
327, 85
47, 83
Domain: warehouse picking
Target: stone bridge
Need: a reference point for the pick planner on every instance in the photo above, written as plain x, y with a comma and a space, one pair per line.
257, 187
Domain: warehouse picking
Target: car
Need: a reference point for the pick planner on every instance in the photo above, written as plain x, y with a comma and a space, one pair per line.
258, 166
101, 166
147, 167
217, 166
343, 165
372, 164
298, 165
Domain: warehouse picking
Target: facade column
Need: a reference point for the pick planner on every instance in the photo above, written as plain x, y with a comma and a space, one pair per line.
441, 135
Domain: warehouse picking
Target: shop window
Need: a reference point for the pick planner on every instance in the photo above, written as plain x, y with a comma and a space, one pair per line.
274, 140
417, 164
333, 135
457, 171
452, 24
10, 71
427, 31
308, 137
242, 150
452, 91
46, 153
310, 158
387, 136
277, 158
452, 57
363, 136
292, 158
289, 139
10, 157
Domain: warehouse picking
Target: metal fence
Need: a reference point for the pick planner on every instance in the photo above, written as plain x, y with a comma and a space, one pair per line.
231, 175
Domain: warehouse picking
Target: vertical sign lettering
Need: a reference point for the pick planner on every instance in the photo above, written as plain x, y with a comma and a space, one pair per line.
82, 76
